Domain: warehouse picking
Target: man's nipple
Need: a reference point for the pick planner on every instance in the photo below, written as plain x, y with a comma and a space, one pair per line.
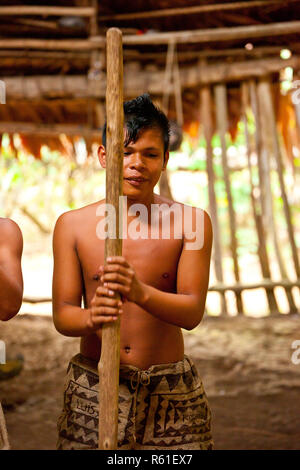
96, 277
165, 275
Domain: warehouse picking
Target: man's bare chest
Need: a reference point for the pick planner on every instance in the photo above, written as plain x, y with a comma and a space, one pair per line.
154, 261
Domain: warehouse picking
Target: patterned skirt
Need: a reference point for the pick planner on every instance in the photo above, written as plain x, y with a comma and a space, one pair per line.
163, 407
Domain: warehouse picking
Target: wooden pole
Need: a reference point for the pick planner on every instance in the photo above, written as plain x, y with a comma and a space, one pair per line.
256, 209
222, 123
206, 119
280, 169
38, 10
109, 363
167, 12
265, 125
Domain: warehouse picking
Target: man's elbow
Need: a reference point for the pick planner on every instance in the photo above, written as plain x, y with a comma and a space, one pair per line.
9, 310
194, 320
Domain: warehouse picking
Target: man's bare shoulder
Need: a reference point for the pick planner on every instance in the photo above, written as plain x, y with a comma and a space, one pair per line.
10, 232
193, 209
74, 218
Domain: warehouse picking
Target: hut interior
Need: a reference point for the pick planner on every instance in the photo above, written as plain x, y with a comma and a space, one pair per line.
208, 64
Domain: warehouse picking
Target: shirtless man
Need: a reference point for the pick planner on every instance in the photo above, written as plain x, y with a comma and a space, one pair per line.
163, 286
11, 280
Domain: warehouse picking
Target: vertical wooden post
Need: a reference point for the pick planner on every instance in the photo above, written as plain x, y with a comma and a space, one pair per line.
266, 116
278, 160
206, 119
222, 122
256, 209
109, 363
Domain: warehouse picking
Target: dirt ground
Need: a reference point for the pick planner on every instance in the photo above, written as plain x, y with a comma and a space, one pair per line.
252, 384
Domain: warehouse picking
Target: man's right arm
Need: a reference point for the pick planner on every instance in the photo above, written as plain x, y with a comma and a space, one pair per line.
67, 288
11, 280
68, 316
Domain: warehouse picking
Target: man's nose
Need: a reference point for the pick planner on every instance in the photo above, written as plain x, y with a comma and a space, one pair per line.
136, 161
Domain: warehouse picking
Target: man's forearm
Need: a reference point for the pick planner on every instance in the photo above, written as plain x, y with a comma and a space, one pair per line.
10, 296
181, 310
70, 320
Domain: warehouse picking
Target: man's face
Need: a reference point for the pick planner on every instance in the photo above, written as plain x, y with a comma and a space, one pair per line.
144, 160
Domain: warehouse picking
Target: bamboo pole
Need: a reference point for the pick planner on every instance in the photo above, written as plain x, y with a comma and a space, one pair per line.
216, 34
192, 10
222, 123
261, 250
265, 123
31, 10
206, 119
278, 159
108, 366
53, 130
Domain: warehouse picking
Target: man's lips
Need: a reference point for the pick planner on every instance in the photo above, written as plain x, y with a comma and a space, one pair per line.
135, 181
135, 178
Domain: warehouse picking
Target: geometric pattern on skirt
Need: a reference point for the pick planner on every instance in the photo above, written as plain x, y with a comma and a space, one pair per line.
163, 407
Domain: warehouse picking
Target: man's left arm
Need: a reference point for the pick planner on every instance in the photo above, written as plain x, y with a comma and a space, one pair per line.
185, 308
11, 280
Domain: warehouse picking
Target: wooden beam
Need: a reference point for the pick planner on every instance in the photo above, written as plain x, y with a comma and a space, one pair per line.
215, 34
30, 10
196, 36
62, 86
166, 12
142, 56
53, 44
264, 283
55, 130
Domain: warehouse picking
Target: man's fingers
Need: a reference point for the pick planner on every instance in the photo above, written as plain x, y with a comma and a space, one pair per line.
102, 291
114, 277
104, 319
118, 268
119, 288
103, 310
117, 259
106, 301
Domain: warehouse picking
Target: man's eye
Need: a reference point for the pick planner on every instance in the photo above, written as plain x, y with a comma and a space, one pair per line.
152, 155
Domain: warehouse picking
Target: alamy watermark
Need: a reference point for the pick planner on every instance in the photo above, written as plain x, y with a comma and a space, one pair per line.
2, 352
296, 354
188, 222
2, 92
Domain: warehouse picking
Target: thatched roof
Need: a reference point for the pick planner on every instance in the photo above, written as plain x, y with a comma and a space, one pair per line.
53, 57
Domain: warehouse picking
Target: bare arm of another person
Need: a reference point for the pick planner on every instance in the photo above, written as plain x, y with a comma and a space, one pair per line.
68, 316
11, 280
185, 308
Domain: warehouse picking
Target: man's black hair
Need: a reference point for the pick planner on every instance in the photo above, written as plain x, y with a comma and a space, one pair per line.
140, 114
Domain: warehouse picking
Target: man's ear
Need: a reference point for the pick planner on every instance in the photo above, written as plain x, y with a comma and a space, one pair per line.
166, 159
102, 155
